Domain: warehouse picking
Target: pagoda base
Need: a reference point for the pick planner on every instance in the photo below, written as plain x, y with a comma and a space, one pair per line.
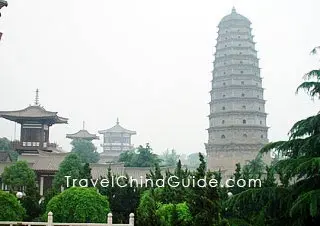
225, 157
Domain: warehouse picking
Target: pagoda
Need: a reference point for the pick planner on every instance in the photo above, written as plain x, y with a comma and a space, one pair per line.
35, 122
83, 134
237, 120
116, 140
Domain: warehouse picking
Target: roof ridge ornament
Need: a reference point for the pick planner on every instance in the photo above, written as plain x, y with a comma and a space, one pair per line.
36, 101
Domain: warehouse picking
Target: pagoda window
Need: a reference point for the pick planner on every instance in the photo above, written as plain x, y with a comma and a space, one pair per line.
259, 108
239, 36
243, 107
223, 95
224, 72
241, 61
222, 122
242, 82
224, 83
223, 108
223, 136
225, 45
260, 122
261, 136
244, 121
239, 45
240, 53
241, 72
245, 135
242, 95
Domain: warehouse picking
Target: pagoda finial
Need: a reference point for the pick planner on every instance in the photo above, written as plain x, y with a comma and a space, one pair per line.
117, 121
83, 125
233, 9
36, 101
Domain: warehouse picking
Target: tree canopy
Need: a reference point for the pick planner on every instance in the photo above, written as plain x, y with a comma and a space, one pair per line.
10, 208
85, 150
141, 157
79, 205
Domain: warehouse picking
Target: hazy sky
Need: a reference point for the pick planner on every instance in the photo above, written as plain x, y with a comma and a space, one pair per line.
148, 63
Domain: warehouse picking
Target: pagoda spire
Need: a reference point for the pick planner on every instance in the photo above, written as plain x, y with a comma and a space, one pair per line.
83, 125
233, 10
117, 121
36, 101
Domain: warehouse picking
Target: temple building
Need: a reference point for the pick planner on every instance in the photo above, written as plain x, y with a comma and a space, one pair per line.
237, 120
35, 123
34, 145
116, 140
83, 134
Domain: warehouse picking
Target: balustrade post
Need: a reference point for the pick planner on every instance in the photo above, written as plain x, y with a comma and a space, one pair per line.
50, 219
131, 219
109, 219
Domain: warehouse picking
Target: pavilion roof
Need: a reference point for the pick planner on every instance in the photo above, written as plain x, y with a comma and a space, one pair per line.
34, 112
118, 129
83, 134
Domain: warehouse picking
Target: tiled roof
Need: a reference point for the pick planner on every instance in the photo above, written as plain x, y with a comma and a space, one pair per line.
234, 16
32, 112
83, 134
44, 161
117, 129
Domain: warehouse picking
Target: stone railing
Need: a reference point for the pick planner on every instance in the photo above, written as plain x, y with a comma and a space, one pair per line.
51, 223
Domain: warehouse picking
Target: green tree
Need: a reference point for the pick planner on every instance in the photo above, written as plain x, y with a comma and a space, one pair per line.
146, 211
70, 166
142, 157
79, 205
86, 150
20, 177
10, 208
6, 146
296, 201
174, 214
169, 158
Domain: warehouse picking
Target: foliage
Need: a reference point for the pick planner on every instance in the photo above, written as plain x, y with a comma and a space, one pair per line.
142, 157
297, 200
19, 177
85, 150
174, 214
147, 209
70, 166
6, 146
123, 197
79, 205
10, 208
169, 158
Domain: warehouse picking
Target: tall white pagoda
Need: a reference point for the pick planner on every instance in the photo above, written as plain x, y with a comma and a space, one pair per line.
237, 120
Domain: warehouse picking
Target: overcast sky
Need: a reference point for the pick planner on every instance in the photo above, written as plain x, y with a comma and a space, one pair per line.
148, 63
